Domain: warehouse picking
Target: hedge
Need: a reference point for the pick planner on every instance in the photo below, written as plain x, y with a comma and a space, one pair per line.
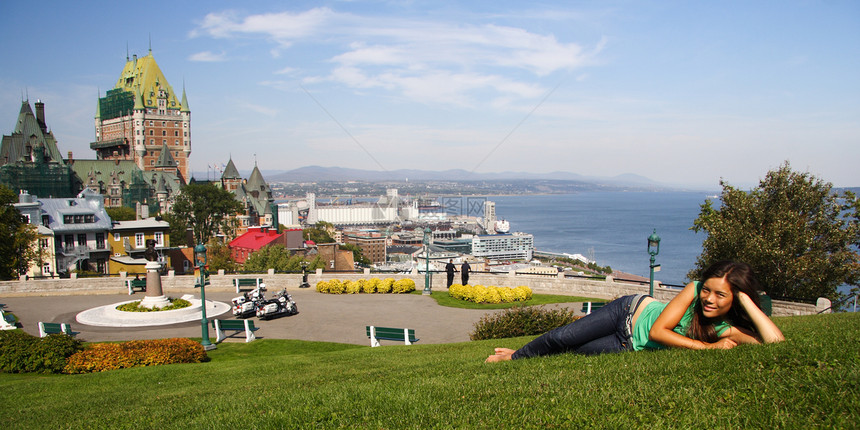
366, 286
490, 294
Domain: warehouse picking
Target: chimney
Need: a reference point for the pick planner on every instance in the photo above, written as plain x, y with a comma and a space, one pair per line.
40, 115
71, 160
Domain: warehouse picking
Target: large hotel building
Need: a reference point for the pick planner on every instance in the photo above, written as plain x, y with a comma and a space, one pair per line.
142, 117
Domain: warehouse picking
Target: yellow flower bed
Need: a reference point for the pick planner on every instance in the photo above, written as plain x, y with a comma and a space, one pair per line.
490, 294
369, 286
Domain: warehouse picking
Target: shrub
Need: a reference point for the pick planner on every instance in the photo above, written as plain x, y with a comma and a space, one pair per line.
352, 287
491, 294
373, 285
385, 285
21, 352
521, 321
109, 356
370, 285
403, 286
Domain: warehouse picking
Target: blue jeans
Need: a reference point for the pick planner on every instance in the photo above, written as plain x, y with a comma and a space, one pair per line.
604, 330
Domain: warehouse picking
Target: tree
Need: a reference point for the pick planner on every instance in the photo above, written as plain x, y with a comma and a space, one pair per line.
799, 236
205, 208
278, 257
17, 237
177, 230
357, 253
220, 257
121, 213
319, 233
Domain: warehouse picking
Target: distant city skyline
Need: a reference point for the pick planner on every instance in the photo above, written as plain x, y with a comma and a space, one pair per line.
683, 93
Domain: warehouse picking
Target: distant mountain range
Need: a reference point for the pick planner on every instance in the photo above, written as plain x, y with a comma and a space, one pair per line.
341, 174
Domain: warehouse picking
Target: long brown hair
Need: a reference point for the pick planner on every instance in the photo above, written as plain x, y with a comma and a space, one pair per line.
741, 278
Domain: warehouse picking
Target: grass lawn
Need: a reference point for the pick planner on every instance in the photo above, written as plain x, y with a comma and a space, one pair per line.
810, 381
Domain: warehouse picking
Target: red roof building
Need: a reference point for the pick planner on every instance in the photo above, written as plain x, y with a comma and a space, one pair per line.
255, 239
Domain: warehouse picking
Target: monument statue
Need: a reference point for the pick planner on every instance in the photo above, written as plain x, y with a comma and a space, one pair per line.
150, 254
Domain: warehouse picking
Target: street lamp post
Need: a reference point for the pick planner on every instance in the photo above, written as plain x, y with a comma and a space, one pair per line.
653, 249
427, 232
201, 263
305, 283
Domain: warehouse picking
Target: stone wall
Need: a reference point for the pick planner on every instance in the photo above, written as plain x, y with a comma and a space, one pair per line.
603, 289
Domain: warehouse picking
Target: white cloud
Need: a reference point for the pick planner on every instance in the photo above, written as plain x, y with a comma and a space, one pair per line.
428, 61
207, 57
281, 27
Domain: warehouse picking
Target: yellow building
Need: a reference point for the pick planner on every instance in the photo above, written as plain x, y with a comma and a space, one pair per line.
128, 240
45, 263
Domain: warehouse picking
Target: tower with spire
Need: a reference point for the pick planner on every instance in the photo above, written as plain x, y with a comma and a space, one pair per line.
141, 118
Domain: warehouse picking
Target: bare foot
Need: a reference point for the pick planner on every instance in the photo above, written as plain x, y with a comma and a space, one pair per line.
501, 354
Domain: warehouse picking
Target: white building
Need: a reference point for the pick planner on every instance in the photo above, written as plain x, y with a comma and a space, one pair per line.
514, 246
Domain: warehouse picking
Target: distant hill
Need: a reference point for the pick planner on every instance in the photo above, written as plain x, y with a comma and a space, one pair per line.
340, 174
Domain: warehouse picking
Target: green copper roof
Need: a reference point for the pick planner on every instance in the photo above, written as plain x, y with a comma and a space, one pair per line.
143, 78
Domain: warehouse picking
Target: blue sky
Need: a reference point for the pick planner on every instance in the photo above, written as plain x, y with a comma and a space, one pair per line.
680, 92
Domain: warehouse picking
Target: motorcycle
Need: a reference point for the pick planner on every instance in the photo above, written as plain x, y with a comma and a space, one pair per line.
246, 305
281, 304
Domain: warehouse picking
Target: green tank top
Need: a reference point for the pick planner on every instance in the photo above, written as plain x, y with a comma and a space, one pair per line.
653, 310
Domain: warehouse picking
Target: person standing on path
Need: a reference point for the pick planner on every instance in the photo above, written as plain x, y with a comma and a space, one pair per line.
464, 275
450, 268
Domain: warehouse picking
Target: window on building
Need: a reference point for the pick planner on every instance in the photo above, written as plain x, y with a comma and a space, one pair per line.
164, 132
159, 238
46, 268
45, 220
150, 123
100, 241
116, 237
43, 243
82, 240
138, 240
151, 132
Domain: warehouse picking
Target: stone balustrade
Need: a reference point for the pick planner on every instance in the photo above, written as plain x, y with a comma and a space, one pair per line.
586, 287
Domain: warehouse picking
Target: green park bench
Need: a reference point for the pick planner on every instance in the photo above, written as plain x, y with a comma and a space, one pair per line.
766, 303
135, 284
8, 321
407, 336
247, 282
589, 307
234, 325
55, 328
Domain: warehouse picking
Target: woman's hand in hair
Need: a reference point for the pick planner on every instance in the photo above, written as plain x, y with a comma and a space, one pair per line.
765, 329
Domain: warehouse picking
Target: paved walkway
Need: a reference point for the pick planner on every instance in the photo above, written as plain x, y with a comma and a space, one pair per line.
322, 317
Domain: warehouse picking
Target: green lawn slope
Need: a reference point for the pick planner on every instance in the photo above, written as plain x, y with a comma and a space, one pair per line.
810, 381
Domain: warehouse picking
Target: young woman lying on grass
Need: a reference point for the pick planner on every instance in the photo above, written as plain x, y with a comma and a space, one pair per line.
720, 312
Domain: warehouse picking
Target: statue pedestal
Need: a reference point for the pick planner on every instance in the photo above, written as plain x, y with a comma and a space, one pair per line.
155, 297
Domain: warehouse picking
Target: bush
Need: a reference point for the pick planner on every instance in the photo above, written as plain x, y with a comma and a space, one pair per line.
521, 321
491, 294
402, 286
373, 285
23, 353
137, 353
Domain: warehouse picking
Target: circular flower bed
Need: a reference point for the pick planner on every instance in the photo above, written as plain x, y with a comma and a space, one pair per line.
135, 306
